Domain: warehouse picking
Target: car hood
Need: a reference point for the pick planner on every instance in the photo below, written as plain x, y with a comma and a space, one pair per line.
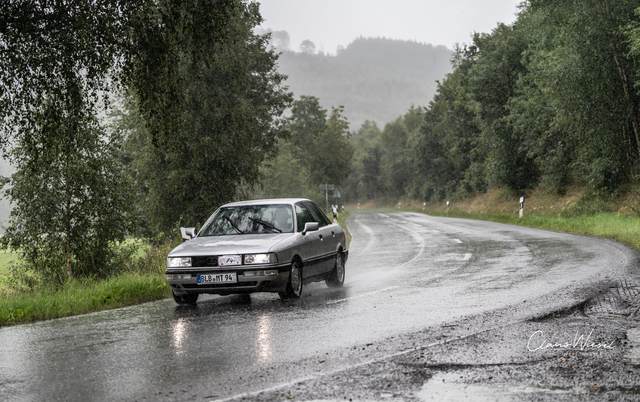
230, 244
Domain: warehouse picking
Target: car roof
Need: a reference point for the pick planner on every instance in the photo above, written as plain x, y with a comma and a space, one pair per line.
289, 201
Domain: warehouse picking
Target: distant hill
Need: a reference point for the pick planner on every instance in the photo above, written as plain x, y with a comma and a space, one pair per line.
375, 79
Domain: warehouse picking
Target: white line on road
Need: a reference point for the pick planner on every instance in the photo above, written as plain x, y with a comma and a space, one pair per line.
467, 257
457, 240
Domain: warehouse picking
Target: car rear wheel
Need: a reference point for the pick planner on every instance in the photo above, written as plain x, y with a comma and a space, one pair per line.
188, 299
294, 286
336, 279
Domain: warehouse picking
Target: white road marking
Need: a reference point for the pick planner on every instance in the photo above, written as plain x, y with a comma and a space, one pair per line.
466, 257
458, 241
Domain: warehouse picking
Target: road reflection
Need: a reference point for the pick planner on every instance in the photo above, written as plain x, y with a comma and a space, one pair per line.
264, 338
179, 332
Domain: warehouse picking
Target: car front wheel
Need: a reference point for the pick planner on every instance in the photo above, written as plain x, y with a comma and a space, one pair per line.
294, 286
188, 299
337, 275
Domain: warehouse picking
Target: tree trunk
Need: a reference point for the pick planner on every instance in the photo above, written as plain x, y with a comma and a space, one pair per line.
635, 122
68, 234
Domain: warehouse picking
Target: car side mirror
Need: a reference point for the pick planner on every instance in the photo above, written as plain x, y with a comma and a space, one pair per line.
187, 233
310, 227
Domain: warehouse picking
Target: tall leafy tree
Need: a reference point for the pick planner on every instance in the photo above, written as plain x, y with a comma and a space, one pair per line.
59, 60
231, 123
364, 182
494, 83
589, 80
396, 140
55, 62
449, 152
72, 198
321, 142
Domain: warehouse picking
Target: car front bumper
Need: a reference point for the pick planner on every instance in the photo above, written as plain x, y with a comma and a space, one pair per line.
244, 284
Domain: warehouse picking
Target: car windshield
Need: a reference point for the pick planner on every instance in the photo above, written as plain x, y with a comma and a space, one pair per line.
249, 219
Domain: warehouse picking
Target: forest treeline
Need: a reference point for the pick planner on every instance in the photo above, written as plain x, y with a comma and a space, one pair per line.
549, 101
373, 78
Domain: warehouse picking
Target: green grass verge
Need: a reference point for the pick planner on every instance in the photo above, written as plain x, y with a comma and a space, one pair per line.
82, 297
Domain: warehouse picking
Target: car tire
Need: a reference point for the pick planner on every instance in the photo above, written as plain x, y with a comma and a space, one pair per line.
190, 299
294, 285
336, 278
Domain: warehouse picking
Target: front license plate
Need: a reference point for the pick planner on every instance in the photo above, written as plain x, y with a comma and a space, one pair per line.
217, 278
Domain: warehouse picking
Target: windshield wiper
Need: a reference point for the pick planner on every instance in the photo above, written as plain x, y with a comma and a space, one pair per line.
233, 224
267, 224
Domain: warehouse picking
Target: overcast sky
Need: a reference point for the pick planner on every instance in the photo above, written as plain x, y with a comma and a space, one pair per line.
329, 23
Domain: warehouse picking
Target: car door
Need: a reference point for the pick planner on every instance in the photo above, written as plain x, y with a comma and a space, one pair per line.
328, 237
311, 247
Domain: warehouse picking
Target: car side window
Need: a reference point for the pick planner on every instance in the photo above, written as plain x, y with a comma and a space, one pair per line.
302, 216
317, 214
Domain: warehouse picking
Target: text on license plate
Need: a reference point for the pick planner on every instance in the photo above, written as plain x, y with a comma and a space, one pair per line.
217, 278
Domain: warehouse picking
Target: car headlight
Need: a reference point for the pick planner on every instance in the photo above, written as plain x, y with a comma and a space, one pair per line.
178, 262
267, 258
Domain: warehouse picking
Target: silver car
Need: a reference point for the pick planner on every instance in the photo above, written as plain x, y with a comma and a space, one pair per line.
274, 245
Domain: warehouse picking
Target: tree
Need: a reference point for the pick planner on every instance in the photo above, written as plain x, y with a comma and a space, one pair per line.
318, 151
280, 40
494, 82
333, 151
69, 193
72, 198
284, 176
589, 81
231, 124
306, 46
321, 143
364, 181
59, 61
369, 184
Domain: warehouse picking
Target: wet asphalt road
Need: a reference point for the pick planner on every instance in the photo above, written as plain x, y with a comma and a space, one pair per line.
414, 283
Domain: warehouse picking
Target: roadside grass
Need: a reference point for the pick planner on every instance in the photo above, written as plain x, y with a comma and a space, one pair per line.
80, 297
144, 281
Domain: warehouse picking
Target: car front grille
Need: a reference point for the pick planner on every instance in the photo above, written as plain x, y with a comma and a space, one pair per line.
222, 285
205, 261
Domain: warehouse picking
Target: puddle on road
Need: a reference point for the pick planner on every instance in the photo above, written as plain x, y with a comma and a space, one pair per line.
447, 387
633, 356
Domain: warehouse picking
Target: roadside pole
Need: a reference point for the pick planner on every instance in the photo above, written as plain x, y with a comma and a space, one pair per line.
326, 188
